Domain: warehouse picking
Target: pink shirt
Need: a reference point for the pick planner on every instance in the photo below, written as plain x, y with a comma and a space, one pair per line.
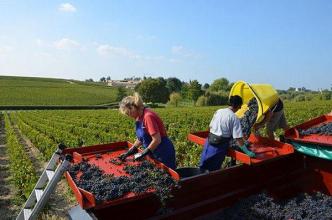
152, 123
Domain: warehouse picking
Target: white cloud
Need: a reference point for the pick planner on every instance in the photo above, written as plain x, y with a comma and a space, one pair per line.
109, 50
67, 7
66, 44
179, 50
106, 49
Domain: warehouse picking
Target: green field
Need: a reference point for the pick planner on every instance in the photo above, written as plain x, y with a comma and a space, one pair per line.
88, 127
44, 91
74, 128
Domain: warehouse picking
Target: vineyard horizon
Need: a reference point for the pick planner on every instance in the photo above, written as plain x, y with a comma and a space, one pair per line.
45, 129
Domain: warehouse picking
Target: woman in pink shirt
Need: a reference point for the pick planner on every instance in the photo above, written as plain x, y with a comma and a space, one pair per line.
150, 132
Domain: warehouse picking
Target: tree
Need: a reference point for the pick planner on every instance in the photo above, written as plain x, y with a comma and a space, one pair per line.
185, 91
102, 79
174, 99
220, 84
121, 93
217, 98
108, 78
194, 90
153, 90
201, 101
173, 84
162, 81
206, 86
89, 80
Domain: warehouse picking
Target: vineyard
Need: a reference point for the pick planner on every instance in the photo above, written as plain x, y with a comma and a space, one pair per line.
43, 91
45, 129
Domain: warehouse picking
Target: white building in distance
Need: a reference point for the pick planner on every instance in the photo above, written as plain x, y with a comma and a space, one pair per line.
129, 84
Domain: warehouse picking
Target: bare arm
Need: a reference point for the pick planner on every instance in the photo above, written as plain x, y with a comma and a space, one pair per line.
267, 117
156, 140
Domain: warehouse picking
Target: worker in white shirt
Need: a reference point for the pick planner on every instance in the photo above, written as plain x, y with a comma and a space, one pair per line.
224, 127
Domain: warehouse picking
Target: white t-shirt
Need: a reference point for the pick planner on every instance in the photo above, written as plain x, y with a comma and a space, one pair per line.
225, 123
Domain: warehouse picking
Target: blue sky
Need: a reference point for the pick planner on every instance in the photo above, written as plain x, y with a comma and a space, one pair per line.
284, 43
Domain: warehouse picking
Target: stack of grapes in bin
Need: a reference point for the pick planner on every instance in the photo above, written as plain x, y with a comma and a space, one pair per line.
324, 129
141, 177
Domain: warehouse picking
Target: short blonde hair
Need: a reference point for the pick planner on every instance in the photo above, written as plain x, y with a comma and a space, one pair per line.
130, 102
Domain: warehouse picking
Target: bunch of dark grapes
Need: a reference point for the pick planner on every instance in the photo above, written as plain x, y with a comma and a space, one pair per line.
325, 129
147, 176
248, 120
260, 206
250, 116
142, 177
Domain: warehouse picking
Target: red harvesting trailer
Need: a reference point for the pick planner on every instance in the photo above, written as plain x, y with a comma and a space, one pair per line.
283, 174
293, 134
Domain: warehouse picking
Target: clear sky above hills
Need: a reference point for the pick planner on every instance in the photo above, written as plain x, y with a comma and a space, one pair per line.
281, 42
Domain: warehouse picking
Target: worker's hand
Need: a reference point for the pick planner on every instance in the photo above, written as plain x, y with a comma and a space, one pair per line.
247, 143
246, 151
141, 155
131, 151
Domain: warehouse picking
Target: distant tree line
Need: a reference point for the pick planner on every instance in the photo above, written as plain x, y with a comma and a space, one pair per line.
303, 94
172, 91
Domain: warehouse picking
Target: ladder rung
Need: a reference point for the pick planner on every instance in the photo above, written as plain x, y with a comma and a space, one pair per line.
39, 193
50, 174
27, 213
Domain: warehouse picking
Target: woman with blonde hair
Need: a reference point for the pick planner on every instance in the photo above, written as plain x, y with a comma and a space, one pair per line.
150, 132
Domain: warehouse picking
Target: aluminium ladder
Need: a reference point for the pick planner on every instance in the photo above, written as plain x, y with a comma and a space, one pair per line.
45, 185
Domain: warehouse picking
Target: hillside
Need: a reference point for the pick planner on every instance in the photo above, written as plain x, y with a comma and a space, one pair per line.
45, 91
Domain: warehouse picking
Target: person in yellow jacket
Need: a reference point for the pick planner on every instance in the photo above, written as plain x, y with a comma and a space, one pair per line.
274, 118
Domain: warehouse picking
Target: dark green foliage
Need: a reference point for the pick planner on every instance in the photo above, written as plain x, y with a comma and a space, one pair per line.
194, 90
22, 171
206, 86
216, 98
220, 84
173, 84
300, 98
121, 93
326, 95
153, 90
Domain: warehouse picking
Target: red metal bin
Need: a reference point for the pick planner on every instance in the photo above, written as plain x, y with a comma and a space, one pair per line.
100, 156
294, 135
264, 148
